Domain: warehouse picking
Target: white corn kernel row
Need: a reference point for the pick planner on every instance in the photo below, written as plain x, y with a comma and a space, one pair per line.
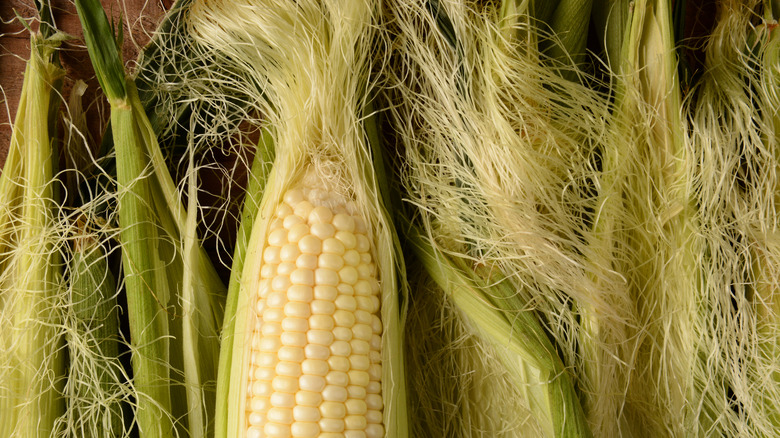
316, 362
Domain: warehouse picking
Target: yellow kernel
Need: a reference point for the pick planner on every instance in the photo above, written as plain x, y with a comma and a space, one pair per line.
330, 409
320, 337
334, 393
348, 274
291, 324
297, 232
320, 215
313, 351
302, 276
285, 268
308, 398
277, 430
365, 270
276, 300
348, 240
374, 304
300, 292
280, 415
310, 244
260, 404
359, 362
288, 369
365, 258
292, 198
327, 277
255, 419
323, 231
311, 383
359, 347
323, 307
283, 210
332, 425
305, 429
354, 433
340, 348
374, 356
270, 344
362, 288
271, 329
374, 387
376, 342
315, 367
323, 292
306, 413
375, 431
374, 401
255, 432
297, 309
362, 332
355, 422
362, 244
373, 417
263, 373
365, 303
268, 271
352, 258
338, 378
362, 317
291, 354
346, 302
303, 209
344, 222
289, 253
345, 289
280, 283
262, 389
360, 225
342, 334
332, 245
291, 221
278, 237
282, 400
331, 261
306, 261
358, 378
272, 254
266, 360
321, 322
356, 392
285, 384
338, 363
344, 318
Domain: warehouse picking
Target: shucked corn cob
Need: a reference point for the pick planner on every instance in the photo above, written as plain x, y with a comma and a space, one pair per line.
304, 345
315, 346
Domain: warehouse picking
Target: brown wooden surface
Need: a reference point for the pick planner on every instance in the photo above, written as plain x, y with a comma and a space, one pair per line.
140, 17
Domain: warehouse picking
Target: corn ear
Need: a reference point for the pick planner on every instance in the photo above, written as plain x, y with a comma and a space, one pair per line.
173, 290
31, 360
95, 378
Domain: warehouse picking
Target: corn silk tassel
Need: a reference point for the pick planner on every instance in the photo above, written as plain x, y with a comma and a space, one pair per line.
32, 366
308, 72
502, 185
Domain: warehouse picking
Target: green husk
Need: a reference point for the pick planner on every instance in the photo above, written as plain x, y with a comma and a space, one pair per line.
492, 306
258, 177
